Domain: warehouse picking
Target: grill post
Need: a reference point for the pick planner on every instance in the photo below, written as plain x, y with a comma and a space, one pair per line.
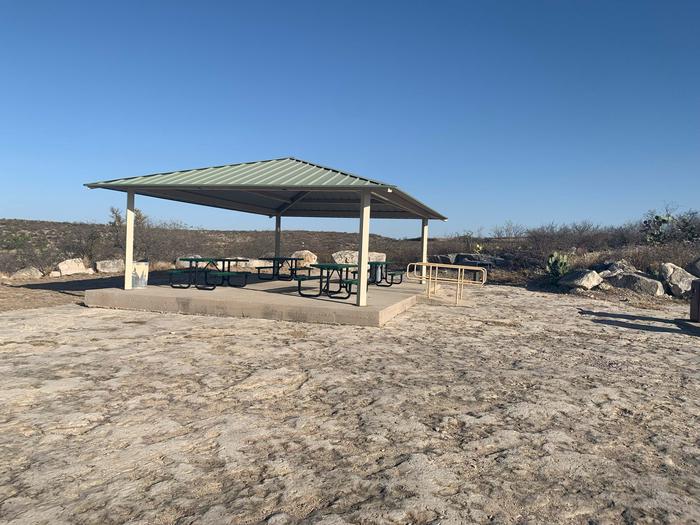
695, 302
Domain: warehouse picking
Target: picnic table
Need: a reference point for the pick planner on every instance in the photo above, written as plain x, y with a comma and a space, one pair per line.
379, 273
329, 273
212, 266
277, 263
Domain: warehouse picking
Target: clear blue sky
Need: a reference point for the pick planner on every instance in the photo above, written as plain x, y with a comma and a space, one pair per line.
531, 111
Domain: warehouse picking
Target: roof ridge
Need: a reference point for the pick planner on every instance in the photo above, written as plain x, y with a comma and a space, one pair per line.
373, 181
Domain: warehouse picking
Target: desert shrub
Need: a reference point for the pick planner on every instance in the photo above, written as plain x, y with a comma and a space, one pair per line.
9, 262
85, 243
157, 241
669, 227
464, 242
43, 256
557, 265
649, 258
580, 237
688, 226
509, 229
14, 240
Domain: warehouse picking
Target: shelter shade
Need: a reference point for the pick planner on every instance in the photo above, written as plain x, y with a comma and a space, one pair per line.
285, 187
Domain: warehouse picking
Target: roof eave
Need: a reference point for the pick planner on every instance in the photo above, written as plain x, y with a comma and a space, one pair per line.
136, 187
419, 210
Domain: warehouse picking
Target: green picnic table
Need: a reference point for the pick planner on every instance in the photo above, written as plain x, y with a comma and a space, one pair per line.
380, 273
327, 271
277, 264
219, 267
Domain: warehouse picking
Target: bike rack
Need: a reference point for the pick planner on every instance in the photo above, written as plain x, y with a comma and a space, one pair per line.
429, 274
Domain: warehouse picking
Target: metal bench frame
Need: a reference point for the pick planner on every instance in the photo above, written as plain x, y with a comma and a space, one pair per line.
390, 278
303, 278
189, 272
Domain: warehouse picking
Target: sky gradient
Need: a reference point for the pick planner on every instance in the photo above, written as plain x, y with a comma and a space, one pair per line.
486, 111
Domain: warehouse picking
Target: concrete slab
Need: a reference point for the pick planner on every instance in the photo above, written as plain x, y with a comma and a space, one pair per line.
262, 300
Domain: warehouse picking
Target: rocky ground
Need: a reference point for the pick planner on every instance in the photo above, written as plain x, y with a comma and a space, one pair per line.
37, 293
515, 407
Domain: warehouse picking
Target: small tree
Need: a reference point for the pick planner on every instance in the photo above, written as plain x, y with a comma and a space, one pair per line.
509, 229
688, 226
117, 230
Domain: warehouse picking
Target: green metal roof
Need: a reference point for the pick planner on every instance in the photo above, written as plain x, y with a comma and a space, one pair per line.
288, 186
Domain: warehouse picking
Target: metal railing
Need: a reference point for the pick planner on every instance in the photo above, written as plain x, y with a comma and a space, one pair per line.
432, 273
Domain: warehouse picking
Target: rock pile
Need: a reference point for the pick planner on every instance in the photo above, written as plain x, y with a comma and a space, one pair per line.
621, 274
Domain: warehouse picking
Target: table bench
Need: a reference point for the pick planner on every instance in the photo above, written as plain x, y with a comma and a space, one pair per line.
226, 277
304, 278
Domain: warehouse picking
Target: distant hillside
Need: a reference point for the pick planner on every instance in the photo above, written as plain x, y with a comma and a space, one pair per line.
44, 243
646, 244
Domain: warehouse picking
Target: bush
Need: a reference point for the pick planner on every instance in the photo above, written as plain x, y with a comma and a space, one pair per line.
665, 228
14, 240
557, 265
580, 237
508, 230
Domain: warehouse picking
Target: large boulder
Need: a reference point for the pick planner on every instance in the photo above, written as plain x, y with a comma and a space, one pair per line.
308, 257
440, 259
607, 274
615, 268
27, 273
251, 263
638, 283
624, 265
350, 257
157, 266
478, 259
676, 279
694, 267
585, 279
72, 266
110, 266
